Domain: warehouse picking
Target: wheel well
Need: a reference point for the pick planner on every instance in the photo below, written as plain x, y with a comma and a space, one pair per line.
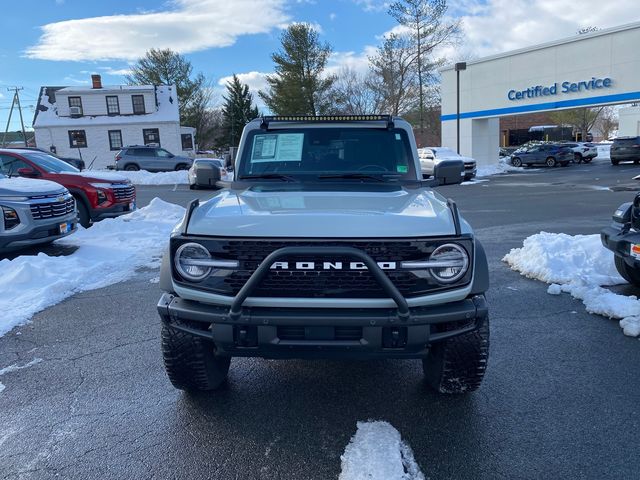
132, 164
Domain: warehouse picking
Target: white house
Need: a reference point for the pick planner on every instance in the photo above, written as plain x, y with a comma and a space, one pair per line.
95, 122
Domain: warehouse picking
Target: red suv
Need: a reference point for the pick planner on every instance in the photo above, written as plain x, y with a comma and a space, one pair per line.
98, 194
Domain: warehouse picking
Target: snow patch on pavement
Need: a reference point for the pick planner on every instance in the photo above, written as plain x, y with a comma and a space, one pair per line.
604, 150
15, 367
109, 252
377, 452
581, 266
142, 177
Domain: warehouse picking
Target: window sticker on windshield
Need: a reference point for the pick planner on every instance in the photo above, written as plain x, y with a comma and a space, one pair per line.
398, 137
402, 169
284, 147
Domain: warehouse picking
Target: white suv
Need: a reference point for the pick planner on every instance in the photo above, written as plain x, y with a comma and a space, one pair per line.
583, 151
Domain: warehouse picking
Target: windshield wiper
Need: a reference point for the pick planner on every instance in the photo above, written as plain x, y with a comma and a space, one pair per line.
357, 176
277, 176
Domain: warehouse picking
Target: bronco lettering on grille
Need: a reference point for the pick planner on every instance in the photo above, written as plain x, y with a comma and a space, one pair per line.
329, 266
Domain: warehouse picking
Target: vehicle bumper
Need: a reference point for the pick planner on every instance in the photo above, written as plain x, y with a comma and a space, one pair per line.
619, 242
40, 233
323, 333
114, 211
470, 173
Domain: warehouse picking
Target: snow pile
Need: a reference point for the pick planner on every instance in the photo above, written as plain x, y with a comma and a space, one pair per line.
604, 150
377, 452
581, 266
142, 177
501, 167
109, 252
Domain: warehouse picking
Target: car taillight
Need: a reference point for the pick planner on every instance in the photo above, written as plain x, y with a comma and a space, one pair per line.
117, 158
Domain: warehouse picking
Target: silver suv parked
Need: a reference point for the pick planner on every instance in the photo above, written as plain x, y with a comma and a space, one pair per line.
152, 159
34, 212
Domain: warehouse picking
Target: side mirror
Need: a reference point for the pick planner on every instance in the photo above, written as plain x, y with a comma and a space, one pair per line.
449, 172
27, 172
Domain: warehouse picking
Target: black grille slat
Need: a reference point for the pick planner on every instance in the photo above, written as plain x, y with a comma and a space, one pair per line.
40, 211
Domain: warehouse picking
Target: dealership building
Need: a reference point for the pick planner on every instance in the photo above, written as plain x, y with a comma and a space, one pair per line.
590, 70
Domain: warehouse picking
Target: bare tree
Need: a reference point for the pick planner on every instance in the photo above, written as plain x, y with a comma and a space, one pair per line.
581, 119
354, 93
607, 123
429, 29
392, 77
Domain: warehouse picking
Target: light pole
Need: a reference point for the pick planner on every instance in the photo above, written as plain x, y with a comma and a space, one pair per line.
459, 67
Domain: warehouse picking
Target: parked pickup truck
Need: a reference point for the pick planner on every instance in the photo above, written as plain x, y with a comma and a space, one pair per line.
327, 244
34, 212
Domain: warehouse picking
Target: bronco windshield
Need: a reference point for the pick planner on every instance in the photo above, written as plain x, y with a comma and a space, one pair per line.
330, 152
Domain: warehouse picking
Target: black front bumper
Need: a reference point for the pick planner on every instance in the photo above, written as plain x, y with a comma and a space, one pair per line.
324, 332
112, 212
619, 242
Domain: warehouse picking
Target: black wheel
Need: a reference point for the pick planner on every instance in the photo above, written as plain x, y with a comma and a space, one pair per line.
627, 272
516, 162
182, 166
587, 159
614, 162
551, 162
191, 363
132, 167
83, 213
457, 365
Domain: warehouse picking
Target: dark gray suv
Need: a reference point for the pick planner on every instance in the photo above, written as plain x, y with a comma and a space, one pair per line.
152, 159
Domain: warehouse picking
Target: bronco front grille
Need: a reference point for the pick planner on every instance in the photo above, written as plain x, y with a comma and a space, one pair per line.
320, 283
57, 208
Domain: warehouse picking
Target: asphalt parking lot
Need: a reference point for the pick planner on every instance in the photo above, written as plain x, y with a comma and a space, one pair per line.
560, 399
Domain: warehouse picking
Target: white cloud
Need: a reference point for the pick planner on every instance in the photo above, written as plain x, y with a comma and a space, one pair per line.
373, 5
114, 71
352, 60
256, 80
189, 26
332, 16
496, 26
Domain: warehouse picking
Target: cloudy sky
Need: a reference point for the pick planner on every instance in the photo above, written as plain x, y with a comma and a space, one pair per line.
61, 42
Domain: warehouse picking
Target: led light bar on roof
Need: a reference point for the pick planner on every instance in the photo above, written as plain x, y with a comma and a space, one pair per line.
388, 119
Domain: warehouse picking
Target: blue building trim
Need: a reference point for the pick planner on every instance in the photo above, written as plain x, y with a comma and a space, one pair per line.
579, 102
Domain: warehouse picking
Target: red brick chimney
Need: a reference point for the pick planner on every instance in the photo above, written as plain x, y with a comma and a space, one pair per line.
96, 80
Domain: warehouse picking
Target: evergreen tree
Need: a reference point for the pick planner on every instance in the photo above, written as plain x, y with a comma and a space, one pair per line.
237, 111
299, 85
166, 67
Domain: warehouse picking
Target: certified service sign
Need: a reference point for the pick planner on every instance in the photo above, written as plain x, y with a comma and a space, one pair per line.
561, 88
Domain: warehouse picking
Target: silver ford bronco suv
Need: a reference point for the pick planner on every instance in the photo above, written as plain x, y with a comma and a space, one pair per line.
328, 244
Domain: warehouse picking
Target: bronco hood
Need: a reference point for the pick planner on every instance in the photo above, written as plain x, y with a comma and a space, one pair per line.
323, 214
18, 186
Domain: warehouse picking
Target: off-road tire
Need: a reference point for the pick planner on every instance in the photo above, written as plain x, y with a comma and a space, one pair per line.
132, 167
516, 162
551, 162
630, 274
191, 363
83, 213
457, 365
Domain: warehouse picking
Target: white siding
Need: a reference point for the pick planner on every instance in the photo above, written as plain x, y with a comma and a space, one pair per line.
98, 140
95, 103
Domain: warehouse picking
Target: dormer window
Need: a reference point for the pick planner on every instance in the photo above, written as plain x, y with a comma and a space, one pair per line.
113, 105
75, 106
138, 104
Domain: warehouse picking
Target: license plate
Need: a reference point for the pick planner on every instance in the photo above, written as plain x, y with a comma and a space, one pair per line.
634, 250
65, 227
132, 206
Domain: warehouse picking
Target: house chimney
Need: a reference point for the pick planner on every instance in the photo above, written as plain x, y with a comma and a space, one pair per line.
96, 80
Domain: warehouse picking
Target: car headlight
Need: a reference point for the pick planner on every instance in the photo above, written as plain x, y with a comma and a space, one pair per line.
190, 261
449, 263
11, 218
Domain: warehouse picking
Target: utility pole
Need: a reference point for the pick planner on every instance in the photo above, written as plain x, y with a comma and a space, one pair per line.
16, 101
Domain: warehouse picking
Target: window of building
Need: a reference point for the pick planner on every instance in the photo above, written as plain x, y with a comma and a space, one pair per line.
151, 136
77, 139
113, 106
187, 141
138, 104
115, 139
75, 106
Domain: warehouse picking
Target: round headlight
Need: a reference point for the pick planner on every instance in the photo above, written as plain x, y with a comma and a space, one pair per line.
189, 262
453, 263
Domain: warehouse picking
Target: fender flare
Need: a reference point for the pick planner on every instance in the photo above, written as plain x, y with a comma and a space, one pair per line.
481, 271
